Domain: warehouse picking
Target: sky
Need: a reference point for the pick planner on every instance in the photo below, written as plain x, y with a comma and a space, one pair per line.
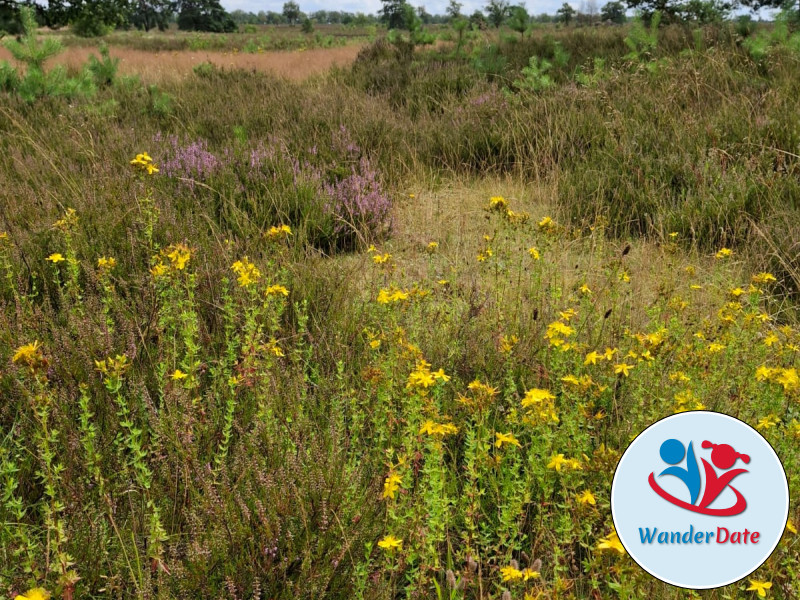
435, 7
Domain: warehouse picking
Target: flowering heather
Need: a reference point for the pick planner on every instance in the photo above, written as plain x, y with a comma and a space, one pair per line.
358, 200
193, 161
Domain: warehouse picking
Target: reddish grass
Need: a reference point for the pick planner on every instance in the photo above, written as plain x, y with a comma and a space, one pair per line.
159, 66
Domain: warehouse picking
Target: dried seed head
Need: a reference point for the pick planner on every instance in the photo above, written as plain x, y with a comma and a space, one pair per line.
451, 579
514, 564
472, 565
506, 595
537, 565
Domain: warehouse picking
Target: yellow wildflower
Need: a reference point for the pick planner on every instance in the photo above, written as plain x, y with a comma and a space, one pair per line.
723, 253
556, 461
276, 290
584, 289
497, 203
440, 375
790, 527
788, 379
56, 258
763, 278
246, 271
760, 587
159, 269
432, 246
611, 542
587, 497
506, 438
391, 485
622, 368
29, 355
34, 594
767, 422
609, 353
106, 263
536, 396
178, 375
380, 259
535, 255
528, 573
591, 358
510, 573
391, 543
279, 232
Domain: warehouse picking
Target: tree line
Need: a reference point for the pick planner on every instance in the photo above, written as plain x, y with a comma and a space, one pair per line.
98, 17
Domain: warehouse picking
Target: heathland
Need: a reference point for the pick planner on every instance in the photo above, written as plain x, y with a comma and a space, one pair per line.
382, 329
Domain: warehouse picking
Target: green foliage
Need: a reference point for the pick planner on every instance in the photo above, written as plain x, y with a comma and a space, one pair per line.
642, 41
307, 26
613, 11
205, 15
36, 82
29, 50
161, 103
519, 20
566, 13
535, 76
103, 69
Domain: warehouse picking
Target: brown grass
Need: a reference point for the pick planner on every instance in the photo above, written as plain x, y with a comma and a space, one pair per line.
161, 66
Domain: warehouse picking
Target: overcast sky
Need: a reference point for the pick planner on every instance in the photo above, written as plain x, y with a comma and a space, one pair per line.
373, 6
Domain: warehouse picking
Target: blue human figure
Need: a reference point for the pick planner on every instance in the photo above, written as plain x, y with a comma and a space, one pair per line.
672, 452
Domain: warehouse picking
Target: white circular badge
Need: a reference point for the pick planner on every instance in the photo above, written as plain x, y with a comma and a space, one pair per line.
699, 500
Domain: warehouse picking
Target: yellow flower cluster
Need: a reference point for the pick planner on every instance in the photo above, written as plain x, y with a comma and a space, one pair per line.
686, 401
391, 485
34, 594
506, 438
279, 232
558, 461
56, 258
512, 573
276, 290
29, 355
788, 378
390, 543
391, 295
430, 427
422, 377
541, 406
144, 162
611, 542
247, 273
177, 255
106, 263
68, 221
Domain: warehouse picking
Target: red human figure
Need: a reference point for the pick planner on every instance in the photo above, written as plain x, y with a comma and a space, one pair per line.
724, 457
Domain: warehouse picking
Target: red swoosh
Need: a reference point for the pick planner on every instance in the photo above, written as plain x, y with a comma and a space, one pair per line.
737, 508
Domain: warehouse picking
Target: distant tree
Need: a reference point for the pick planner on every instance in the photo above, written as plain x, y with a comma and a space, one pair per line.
291, 10
152, 14
705, 12
497, 11
424, 15
566, 13
519, 20
204, 15
94, 18
454, 10
307, 26
613, 11
393, 14
478, 19
9, 17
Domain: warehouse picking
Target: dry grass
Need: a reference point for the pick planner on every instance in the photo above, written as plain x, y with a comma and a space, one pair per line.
157, 67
